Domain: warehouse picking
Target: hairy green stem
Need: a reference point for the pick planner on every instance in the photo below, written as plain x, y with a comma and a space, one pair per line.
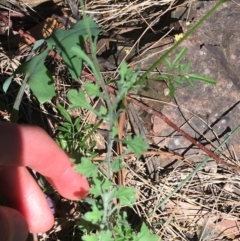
104, 88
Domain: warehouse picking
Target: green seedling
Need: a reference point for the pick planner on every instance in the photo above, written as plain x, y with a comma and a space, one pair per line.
179, 72
73, 135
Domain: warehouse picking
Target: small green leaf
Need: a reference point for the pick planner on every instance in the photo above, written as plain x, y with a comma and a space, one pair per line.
82, 55
102, 111
86, 167
106, 235
39, 77
64, 129
78, 99
67, 124
123, 231
123, 68
145, 234
177, 79
136, 144
94, 216
64, 113
42, 85
100, 185
127, 79
7, 83
81, 27
101, 236
38, 44
117, 165
62, 142
179, 56
169, 65
93, 90
202, 78
92, 237
86, 226
77, 124
164, 77
126, 195
186, 67
190, 82
87, 127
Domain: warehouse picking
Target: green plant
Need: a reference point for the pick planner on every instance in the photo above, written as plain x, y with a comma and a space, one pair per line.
177, 72
107, 219
37, 76
73, 135
186, 35
107, 200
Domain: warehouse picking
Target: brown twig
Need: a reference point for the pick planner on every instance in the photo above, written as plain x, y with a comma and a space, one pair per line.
121, 121
147, 153
5, 20
11, 14
21, 32
26, 35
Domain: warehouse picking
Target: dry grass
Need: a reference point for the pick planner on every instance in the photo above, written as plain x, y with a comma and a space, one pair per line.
121, 14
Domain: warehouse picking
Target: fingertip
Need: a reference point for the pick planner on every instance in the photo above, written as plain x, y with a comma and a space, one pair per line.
37, 225
82, 187
70, 184
42, 154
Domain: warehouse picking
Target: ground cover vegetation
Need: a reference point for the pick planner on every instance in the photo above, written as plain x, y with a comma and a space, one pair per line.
84, 103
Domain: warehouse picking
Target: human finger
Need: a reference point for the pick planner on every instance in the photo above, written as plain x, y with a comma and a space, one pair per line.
31, 146
13, 225
23, 194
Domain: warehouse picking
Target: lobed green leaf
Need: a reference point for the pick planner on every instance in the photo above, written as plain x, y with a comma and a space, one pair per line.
78, 99
136, 144
64, 40
86, 167
39, 77
126, 196
145, 234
